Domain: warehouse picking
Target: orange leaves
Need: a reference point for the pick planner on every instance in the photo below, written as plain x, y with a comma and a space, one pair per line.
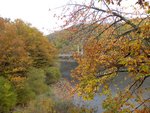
103, 58
120, 44
22, 46
145, 30
13, 55
17, 80
144, 110
98, 64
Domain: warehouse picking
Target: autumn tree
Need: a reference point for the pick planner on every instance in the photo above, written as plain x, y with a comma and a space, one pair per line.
22, 47
39, 48
25, 53
13, 56
121, 43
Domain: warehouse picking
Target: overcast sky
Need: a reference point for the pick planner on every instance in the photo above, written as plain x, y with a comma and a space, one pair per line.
35, 12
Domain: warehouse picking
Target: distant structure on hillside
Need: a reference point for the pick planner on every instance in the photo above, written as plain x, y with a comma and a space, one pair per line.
69, 56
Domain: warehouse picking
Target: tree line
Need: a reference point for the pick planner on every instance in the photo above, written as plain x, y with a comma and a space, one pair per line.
26, 59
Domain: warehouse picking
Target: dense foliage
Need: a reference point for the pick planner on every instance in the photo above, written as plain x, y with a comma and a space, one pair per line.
7, 96
121, 44
24, 54
65, 40
52, 75
22, 47
47, 105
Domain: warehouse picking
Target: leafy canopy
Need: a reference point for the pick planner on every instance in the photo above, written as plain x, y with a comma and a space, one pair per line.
115, 44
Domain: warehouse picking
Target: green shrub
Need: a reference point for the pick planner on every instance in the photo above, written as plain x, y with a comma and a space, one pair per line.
31, 86
36, 81
52, 75
69, 107
47, 105
40, 105
24, 93
7, 96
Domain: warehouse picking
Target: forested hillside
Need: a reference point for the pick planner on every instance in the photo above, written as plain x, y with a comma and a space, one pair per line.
24, 55
29, 71
73, 38
65, 40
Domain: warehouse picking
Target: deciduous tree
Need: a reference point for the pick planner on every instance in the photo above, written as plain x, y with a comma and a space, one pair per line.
121, 45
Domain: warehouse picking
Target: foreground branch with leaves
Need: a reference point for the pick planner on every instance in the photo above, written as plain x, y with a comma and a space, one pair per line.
115, 41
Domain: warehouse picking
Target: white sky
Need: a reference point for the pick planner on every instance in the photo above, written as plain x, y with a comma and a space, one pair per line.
35, 12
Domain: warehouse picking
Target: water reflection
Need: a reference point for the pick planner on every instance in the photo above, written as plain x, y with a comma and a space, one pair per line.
121, 81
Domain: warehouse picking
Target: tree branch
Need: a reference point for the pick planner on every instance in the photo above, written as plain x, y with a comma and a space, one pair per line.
108, 27
105, 74
140, 105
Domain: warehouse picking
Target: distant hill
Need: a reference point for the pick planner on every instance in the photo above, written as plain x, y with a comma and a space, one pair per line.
73, 38
65, 40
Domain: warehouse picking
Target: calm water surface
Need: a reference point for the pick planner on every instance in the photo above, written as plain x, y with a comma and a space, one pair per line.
96, 103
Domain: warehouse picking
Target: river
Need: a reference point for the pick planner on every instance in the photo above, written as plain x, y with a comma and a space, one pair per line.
96, 103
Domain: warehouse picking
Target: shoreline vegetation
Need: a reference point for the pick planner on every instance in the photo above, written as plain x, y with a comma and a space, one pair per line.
57, 100
30, 79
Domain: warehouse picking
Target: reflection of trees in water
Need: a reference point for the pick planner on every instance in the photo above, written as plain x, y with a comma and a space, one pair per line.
66, 68
119, 83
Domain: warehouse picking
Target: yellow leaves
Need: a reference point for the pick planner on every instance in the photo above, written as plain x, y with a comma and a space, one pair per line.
105, 89
141, 58
17, 69
13, 55
143, 110
22, 46
40, 48
104, 58
144, 70
145, 30
88, 88
17, 80
131, 61
135, 45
